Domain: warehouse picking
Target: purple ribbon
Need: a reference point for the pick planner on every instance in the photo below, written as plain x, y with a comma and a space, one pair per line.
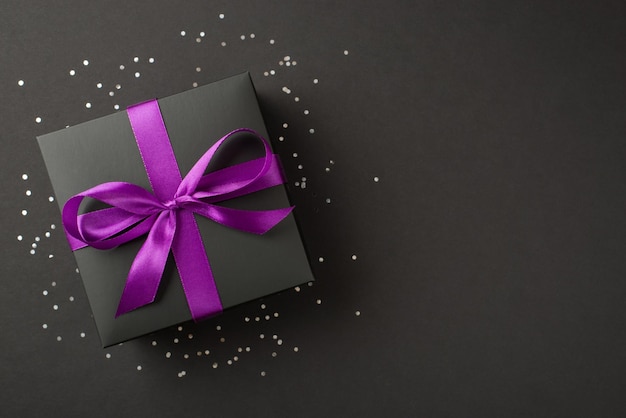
166, 215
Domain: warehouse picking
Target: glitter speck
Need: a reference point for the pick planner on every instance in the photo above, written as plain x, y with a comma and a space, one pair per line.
71, 298
139, 368
20, 83
252, 36
345, 52
215, 365
72, 72
24, 176
285, 125
295, 155
151, 60
38, 119
321, 259
45, 293
319, 301
183, 33
24, 212
242, 37
122, 67
107, 355
99, 85
315, 81
353, 257
272, 42
376, 179
154, 343
116, 107
19, 237
88, 105
28, 192
297, 288
168, 355
118, 86
295, 349
202, 34
50, 198
47, 234
85, 63
263, 373
198, 69
59, 338
137, 74
223, 43
221, 15
311, 131
272, 72
55, 307
82, 335
328, 200
136, 59
44, 326
358, 313
306, 112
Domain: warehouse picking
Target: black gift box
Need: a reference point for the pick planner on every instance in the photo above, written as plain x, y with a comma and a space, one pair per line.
245, 266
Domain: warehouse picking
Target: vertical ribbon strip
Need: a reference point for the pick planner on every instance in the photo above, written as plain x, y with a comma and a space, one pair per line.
167, 214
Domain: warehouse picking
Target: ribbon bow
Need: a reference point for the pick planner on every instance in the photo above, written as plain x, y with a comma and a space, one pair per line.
167, 214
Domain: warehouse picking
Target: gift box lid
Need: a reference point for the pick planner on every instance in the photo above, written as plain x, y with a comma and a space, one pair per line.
245, 266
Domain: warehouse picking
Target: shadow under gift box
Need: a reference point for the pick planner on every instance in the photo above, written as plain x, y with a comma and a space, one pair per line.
245, 266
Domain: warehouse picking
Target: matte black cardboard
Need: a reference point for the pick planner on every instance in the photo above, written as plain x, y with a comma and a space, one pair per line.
245, 266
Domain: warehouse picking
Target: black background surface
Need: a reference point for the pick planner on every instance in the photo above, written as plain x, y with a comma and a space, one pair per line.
489, 270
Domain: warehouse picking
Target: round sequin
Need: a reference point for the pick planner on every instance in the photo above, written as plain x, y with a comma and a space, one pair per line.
20, 83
